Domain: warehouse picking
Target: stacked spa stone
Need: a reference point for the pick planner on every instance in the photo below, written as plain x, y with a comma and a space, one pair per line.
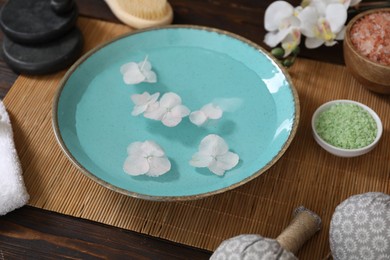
40, 36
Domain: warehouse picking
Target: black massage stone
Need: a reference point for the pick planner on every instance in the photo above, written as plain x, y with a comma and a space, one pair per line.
44, 58
37, 21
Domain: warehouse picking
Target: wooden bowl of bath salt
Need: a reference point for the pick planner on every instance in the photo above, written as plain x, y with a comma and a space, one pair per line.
367, 49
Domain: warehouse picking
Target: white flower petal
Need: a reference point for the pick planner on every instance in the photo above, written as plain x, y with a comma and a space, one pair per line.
171, 120
131, 73
143, 102
198, 118
152, 107
136, 165
309, 18
134, 73
158, 166
169, 100
214, 168
151, 148
154, 97
180, 111
134, 149
156, 112
274, 38
201, 160
312, 43
140, 99
128, 66
336, 15
213, 145
212, 111
330, 43
137, 110
228, 160
150, 76
275, 13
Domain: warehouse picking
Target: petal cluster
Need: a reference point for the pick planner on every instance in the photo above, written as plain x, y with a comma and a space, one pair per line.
170, 110
146, 158
134, 73
214, 154
209, 111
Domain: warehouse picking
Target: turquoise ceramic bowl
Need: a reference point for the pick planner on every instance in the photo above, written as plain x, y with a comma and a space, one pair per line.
93, 122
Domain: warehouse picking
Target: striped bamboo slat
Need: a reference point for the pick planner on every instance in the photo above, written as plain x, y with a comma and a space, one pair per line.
305, 175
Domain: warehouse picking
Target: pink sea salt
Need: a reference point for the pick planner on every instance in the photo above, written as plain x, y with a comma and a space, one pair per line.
371, 37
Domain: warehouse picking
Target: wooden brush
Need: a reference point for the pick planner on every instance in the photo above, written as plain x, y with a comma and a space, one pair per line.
142, 13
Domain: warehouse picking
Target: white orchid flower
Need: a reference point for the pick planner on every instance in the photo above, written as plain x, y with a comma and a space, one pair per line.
146, 158
170, 110
214, 153
322, 26
282, 24
144, 102
209, 111
134, 73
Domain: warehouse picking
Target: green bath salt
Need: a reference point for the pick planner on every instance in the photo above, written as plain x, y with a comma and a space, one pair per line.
347, 126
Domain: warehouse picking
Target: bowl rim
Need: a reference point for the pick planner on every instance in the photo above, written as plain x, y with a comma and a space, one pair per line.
347, 38
344, 150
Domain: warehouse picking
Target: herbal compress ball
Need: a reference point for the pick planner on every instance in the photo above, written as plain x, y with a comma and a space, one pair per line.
360, 228
251, 247
304, 225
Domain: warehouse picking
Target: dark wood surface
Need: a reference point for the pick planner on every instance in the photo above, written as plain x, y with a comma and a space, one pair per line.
31, 233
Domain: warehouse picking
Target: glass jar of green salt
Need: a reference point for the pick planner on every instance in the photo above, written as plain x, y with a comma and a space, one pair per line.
344, 126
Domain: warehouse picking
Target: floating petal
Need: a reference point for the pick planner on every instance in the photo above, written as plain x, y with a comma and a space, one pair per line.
215, 168
214, 154
135, 148
156, 114
136, 165
212, 111
198, 118
132, 74
180, 111
200, 159
228, 160
146, 158
213, 145
158, 166
151, 148
171, 120
143, 102
169, 100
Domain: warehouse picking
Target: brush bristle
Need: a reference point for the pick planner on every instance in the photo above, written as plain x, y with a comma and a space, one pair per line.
145, 9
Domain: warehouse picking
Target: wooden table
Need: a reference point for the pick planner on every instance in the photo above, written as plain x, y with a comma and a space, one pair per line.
37, 234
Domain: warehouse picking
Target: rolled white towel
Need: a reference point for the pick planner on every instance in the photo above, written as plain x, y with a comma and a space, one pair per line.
13, 193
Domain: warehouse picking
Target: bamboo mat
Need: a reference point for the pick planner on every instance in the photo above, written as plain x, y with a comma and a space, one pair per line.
305, 175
